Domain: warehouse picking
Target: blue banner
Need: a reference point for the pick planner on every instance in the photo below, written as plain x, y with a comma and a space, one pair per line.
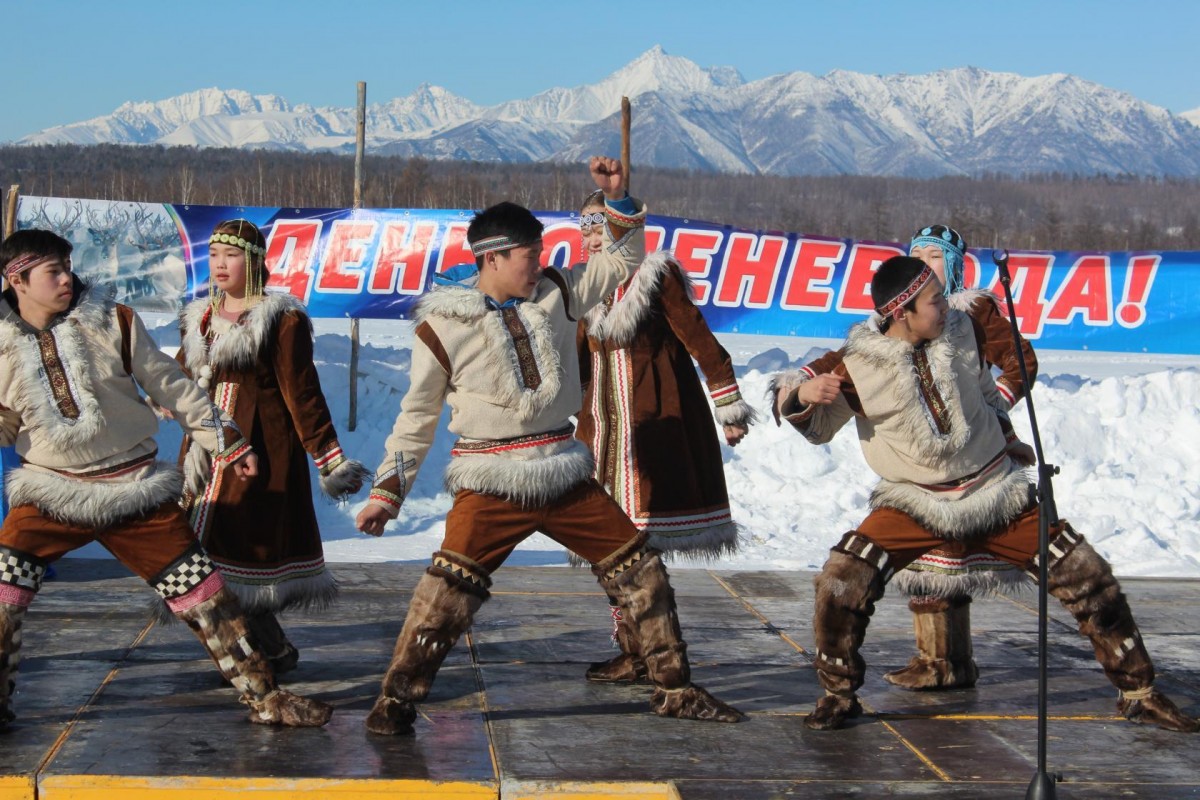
375, 263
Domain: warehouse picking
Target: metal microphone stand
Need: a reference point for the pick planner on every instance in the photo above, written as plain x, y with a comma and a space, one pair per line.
1042, 786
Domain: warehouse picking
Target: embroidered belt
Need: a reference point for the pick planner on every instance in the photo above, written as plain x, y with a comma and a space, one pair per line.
963, 482
476, 447
114, 471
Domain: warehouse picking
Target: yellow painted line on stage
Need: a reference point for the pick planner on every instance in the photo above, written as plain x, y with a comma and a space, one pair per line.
755, 611
569, 790
107, 787
17, 787
916, 751
483, 700
1003, 717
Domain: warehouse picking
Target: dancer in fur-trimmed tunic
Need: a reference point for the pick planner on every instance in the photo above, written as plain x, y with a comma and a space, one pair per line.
71, 364
647, 421
499, 347
253, 353
932, 427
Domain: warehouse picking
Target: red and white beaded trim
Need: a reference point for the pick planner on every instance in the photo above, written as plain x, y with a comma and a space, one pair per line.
914, 288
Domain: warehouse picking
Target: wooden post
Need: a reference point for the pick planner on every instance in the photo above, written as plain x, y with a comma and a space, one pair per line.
626, 118
360, 138
10, 220
10, 210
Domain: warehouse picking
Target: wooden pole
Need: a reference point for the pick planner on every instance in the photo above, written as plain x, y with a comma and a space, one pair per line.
10, 219
10, 210
626, 118
360, 138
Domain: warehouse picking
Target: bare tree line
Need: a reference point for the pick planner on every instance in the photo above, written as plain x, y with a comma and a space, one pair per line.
1031, 212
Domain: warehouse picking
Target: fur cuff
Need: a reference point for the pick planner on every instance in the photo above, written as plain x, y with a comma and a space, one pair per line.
782, 386
739, 413
346, 479
542, 476
961, 516
1009, 580
93, 504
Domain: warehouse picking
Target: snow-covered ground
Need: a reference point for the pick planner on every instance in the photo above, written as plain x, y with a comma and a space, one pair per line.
1123, 428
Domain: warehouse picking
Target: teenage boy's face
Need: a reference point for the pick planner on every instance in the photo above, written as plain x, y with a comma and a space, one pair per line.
45, 288
518, 270
227, 264
927, 318
934, 257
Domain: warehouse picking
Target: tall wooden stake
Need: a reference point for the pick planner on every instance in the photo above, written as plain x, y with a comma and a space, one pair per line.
626, 118
360, 138
10, 219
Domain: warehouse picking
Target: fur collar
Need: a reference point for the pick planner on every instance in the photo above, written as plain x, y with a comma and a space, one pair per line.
894, 357
91, 316
467, 306
239, 347
965, 300
619, 324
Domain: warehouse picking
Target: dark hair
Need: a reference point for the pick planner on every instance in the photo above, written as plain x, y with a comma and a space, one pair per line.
504, 219
595, 198
34, 242
247, 230
893, 277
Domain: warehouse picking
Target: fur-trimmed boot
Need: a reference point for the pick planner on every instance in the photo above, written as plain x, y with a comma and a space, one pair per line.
221, 627
846, 590
944, 657
627, 666
635, 575
444, 603
280, 652
11, 618
1083, 581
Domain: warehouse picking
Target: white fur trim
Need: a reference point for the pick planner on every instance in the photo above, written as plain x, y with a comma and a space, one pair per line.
781, 386
739, 413
960, 515
965, 300
338, 484
93, 503
1010, 581
309, 593
238, 347
894, 356
93, 313
619, 325
540, 476
451, 302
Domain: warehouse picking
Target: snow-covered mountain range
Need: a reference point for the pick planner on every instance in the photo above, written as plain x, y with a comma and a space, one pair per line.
958, 121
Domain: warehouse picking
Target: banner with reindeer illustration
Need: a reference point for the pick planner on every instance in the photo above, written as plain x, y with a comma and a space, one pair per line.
376, 263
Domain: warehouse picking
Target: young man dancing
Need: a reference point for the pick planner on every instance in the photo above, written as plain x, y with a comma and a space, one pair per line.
499, 348
71, 364
933, 427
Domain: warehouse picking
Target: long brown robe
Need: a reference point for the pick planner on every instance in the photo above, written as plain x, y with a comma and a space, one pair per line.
262, 533
646, 416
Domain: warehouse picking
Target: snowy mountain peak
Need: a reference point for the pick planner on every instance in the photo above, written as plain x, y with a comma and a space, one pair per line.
963, 120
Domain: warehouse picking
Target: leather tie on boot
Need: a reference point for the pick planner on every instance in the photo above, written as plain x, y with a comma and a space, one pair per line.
1152, 707
281, 707
832, 711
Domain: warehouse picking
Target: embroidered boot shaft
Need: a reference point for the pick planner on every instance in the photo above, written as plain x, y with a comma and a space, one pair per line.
220, 625
11, 617
635, 575
442, 609
945, 658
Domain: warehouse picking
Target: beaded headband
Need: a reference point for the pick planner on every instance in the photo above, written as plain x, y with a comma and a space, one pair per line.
588, 220
237, 241
25, 263
494, 244
913, 289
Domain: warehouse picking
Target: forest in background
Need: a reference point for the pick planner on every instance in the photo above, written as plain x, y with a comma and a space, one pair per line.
1042, 212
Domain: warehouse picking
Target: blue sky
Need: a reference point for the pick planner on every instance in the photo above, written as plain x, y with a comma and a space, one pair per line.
69, 61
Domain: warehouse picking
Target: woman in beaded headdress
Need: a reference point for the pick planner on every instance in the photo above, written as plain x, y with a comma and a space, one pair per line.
648, 421
253, 353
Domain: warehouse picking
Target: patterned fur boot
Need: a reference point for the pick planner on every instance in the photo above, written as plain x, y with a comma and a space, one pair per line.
1083, 581
442, 608
635, 575
11, 617
944, 657
220, 625
627, 667
849, 584
280, 652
